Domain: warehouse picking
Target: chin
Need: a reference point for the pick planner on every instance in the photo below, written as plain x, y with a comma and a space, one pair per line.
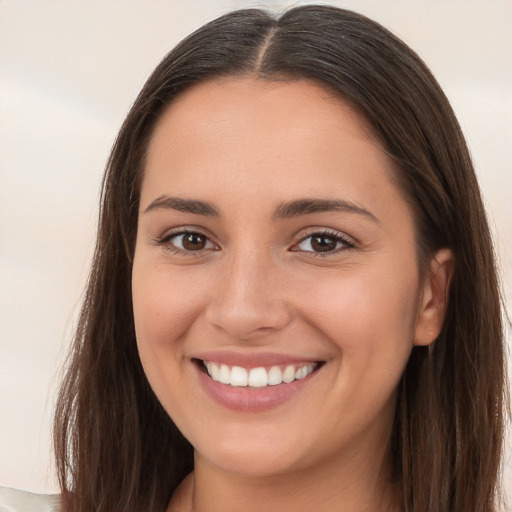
255, 464
256, 457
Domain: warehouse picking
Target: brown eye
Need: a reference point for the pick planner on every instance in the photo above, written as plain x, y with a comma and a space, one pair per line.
323, 243
187, 242
193, 241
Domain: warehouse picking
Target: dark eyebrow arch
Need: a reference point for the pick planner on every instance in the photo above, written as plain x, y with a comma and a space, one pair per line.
183, 205
286, 210
308, 206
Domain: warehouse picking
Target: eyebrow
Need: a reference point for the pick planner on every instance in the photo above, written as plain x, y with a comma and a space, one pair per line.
183, 205
307, 206
283, 211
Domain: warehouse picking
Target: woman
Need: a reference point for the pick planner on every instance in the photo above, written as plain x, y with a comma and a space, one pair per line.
293, 302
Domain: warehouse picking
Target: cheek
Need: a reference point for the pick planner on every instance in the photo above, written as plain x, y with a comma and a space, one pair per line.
368, 316
370, 324
165, 305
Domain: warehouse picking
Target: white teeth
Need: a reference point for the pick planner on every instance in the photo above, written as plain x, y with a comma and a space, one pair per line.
257, 377
301, 373
289, 374
214, 370
238, 376
275, 376
224, 374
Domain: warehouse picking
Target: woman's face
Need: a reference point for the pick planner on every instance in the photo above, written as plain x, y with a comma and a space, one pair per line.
276, 289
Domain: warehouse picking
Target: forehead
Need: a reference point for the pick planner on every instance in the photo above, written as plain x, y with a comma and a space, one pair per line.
288, 108
262, 139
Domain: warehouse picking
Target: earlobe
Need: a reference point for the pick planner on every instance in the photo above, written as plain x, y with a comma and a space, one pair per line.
434, 299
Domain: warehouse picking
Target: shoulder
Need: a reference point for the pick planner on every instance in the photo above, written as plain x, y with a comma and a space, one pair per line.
13, 500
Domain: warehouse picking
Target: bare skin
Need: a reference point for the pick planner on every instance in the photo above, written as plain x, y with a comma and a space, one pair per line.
271, 229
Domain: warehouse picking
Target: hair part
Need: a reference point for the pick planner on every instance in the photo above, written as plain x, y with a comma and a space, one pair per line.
116, 447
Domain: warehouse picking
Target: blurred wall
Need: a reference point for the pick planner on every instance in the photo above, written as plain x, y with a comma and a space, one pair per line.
68, 74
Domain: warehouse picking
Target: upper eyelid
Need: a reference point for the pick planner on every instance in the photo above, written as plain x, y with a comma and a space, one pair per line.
324, 231
183, 230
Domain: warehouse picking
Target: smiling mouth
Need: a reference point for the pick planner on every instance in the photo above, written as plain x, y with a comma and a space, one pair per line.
259, 377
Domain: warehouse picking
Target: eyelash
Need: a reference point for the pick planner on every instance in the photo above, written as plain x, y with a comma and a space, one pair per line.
335, 236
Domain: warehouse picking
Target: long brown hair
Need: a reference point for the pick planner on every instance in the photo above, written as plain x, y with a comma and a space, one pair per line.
118, 450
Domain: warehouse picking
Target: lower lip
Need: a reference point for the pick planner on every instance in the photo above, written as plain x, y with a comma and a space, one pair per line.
252, 399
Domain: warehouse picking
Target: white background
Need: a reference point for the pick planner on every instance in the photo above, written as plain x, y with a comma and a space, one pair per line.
69, 71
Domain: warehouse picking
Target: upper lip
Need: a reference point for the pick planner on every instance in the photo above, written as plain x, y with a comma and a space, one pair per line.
254, 359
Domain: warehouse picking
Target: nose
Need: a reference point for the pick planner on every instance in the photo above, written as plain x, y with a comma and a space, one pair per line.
251, 300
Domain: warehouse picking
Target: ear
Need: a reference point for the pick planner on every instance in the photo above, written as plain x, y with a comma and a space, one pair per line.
434, 299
